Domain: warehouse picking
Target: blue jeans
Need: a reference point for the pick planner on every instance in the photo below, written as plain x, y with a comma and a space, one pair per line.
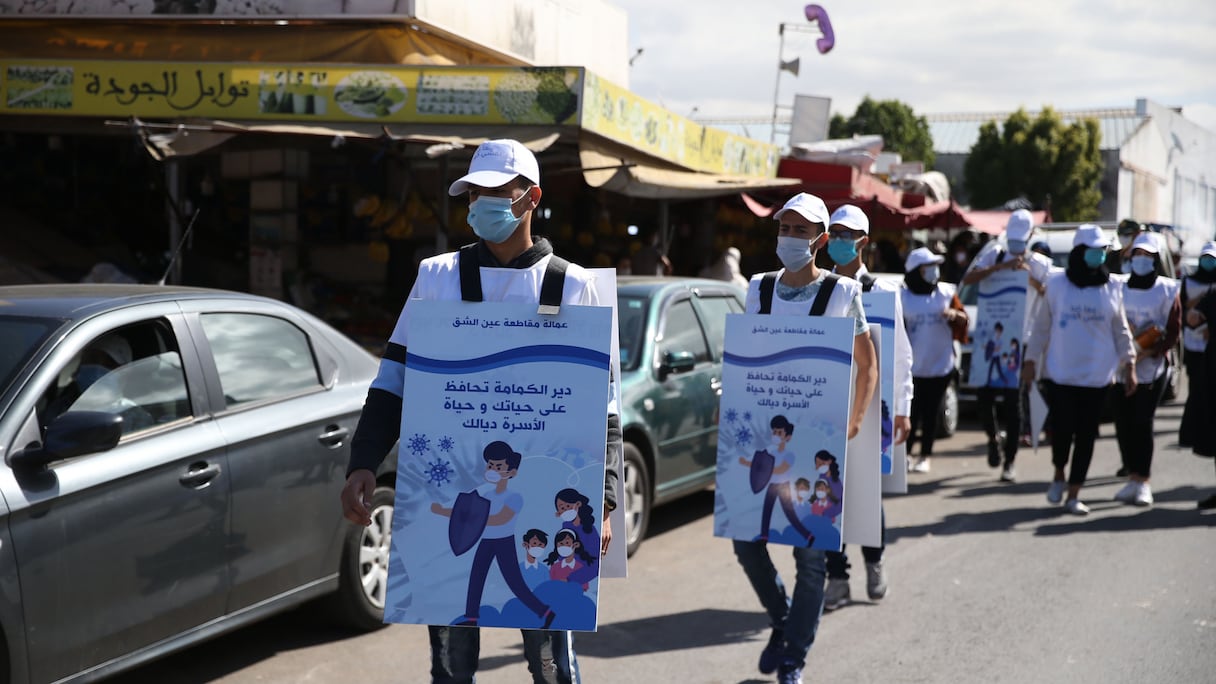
455, 651
797, 618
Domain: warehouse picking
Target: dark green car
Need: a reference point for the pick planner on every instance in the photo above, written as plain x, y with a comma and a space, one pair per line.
671, 377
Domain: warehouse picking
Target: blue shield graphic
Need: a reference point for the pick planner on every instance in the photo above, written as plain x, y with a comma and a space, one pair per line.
469, 516
762, 470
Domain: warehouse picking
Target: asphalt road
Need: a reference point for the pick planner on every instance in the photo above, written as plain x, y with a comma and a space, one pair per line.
988, 583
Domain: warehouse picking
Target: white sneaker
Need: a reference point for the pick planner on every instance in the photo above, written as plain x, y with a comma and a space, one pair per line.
876, 581
1075, 507
1128, 493
1008, 474
1143, 495
922, 466
1055, 493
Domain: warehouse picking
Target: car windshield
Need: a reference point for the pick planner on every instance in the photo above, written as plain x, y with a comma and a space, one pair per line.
20, 337
631, 317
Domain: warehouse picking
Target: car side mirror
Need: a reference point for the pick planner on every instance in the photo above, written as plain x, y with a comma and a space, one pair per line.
676, 362
72, 434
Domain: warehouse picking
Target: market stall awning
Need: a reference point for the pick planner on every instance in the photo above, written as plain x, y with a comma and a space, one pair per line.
619, 169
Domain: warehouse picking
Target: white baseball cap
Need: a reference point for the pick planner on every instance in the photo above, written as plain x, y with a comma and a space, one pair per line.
1208, 249
809, 206
850, 217
921, 256
1090, 236
1148, 242
496, 163
1020, 225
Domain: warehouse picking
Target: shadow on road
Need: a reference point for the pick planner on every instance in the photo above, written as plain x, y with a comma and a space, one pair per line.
296, 629
679, 513
675, 632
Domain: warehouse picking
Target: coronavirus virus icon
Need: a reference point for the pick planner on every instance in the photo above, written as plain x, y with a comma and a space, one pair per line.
418, 444
743, 435
446, 444
439, 472
731, 415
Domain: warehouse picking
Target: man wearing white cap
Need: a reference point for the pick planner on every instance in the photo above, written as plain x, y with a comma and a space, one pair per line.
1154, 314
797, 289
1080, 331
1009, 254
1195, 333
505, 264
848, 235
934, 317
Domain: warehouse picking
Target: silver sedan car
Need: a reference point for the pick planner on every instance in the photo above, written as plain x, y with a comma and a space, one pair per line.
172, 464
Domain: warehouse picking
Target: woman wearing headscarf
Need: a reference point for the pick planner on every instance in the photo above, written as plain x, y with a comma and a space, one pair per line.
1080, 331
1155, 318
933, 317
1195, 333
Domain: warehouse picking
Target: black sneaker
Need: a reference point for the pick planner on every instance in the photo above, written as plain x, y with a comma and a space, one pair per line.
770, 657
994, 451
1208, 503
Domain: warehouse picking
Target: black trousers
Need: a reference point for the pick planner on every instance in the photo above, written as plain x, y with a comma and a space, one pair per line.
838, 561
1003, 415
1075, 415
1194, 411
927, 396
1134, 425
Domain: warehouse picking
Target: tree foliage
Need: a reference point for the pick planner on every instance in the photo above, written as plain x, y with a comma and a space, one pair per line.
1038, 159
901, 129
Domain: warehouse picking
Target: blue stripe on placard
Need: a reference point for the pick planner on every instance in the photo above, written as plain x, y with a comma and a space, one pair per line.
534, 354
1003, 291
821, 353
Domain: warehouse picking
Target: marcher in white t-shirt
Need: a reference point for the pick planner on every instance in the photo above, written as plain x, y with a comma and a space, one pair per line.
1080, 331
933, 317
1154, 315
1008, 254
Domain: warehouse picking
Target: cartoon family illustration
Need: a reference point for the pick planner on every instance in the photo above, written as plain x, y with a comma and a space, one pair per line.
1003, 365
487, 517
770, 471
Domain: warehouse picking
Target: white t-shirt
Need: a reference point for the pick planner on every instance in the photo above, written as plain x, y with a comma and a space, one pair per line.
928, 332
1040, 268
845, 300
1081, 333
1146, 308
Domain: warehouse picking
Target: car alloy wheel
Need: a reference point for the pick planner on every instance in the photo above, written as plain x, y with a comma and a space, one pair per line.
374, 546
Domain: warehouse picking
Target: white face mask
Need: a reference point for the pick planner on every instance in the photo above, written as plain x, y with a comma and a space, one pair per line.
1142, 265
535, 552
822, 469
931, 274
794, 253
803, 497
821, 494
565, 551
776, 440
493, 476
569, 515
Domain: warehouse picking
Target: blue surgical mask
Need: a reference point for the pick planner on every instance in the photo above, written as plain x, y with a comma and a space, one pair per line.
794, 253
1207, 263
1095, 257
1017, 246
842, 250
492, 219
1142, 265
931, 274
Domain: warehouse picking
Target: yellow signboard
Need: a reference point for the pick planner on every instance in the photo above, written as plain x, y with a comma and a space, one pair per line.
619, 115
521, 95
562, 96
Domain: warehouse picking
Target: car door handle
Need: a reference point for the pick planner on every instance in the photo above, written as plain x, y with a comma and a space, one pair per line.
333, 437
199, 474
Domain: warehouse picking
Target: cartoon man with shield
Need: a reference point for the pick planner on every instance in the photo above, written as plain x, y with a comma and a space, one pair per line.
770, 467
488, 520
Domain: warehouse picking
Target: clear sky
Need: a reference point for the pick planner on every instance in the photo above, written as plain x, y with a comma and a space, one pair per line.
720, 56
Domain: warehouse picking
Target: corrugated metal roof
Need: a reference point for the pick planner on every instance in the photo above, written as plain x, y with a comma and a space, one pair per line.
956, 133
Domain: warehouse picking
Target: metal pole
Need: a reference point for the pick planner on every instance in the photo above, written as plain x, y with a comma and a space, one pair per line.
441, 233
772, 135
173, 186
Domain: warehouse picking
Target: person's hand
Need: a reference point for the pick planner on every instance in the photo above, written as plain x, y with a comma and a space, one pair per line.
606, 534
854, 426
1028, 373
357, 497
1131, 380
901, 429
1194, 318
